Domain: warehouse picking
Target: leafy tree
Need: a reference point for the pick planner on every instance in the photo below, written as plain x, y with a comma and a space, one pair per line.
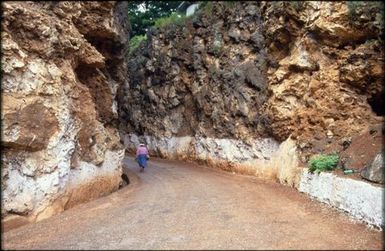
144, 13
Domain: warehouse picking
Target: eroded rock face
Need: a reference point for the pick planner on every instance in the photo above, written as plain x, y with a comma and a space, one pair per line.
203, 78
311, 71
62, 63
321, 86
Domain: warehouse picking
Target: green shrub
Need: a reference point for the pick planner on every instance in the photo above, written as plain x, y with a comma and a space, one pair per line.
320, 163
136, 41
174, 18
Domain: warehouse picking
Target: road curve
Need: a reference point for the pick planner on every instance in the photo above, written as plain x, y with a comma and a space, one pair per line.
178, 205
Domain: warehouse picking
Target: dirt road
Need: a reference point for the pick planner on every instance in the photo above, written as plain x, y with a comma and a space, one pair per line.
177, 205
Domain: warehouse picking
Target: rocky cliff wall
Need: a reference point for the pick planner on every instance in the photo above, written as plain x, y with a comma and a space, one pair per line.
308, 71
62, 63
259, 87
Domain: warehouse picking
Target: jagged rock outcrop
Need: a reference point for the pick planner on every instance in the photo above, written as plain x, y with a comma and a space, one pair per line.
332, 68
62, 63
311, 71
196, 79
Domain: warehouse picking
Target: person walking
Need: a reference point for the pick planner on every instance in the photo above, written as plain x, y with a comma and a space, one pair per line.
142, 156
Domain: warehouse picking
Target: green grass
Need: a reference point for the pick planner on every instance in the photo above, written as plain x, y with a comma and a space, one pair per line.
136, 41
321, 163
174, 18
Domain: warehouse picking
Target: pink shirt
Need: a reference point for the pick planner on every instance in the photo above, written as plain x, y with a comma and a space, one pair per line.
141, 150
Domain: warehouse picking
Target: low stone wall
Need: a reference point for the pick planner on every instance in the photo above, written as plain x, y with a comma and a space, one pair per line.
269, 159
360, 199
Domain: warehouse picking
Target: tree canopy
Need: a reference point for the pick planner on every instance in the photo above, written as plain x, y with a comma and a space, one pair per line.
143, 14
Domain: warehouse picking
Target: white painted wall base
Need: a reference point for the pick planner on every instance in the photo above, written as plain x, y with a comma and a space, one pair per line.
360, 199
225, 149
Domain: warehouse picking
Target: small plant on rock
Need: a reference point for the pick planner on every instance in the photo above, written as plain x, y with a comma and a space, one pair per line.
135, 42
321, 163
173, 18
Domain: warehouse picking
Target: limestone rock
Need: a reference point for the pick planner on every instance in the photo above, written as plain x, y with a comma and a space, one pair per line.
375, 172
59, 109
